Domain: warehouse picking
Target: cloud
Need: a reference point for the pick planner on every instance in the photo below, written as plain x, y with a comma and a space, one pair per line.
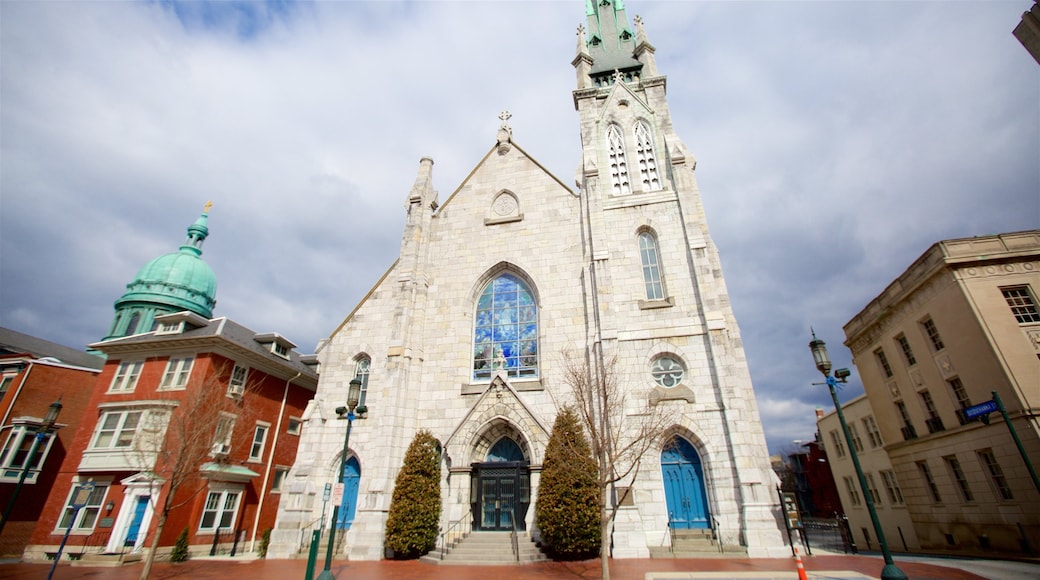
835, 142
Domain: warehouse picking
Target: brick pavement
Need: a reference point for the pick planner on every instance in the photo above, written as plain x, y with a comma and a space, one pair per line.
223, 569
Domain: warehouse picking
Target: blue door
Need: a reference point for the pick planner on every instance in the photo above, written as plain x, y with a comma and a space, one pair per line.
684, 486
351, 481
135, 523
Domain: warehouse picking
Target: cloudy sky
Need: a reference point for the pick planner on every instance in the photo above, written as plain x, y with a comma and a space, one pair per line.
835, 142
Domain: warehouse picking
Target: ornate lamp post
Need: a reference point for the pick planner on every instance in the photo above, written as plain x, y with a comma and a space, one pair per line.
823, 364
353, 397
42, 432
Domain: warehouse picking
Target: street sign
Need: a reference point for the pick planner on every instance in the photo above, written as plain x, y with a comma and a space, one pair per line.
337, 494
791, 511
980, 409
328, 492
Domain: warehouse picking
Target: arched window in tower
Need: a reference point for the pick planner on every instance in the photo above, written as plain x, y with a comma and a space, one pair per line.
131, 327
648, 255
361, 367
505, 334
618, 164
645, 155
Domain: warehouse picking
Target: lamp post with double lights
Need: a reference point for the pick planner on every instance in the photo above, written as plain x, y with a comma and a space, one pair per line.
353, 398
823, 364
44, 430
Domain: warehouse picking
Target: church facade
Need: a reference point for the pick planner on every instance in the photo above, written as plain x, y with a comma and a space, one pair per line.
467, 334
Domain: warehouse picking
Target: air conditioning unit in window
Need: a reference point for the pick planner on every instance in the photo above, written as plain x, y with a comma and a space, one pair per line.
236, 390
221, 448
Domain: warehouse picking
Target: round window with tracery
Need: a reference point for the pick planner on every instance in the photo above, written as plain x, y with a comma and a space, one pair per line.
667, 371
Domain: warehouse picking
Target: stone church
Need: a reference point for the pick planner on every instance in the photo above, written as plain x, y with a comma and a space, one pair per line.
464, 334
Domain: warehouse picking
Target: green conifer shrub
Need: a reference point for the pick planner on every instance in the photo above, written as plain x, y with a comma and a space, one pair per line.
265, 541
567, 508
180, 547
415, 507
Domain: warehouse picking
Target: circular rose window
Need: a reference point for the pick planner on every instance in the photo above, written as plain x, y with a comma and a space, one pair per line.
667, 371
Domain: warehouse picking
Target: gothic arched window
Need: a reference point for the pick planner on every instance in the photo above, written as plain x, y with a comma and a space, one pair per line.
618, 163
505, 335
361, 367
648, 255
645, 155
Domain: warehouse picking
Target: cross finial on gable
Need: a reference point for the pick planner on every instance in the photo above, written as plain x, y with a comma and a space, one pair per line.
505, 116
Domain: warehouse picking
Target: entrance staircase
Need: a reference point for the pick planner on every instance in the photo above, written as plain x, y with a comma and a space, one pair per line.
488, 549
695, 543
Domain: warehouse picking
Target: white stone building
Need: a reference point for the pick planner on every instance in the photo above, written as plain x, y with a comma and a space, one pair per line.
464, 334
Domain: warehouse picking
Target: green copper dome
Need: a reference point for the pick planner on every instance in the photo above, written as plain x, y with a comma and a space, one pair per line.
170, 283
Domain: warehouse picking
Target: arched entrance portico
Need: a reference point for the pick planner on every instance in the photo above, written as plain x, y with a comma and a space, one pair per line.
500, 488
684, 486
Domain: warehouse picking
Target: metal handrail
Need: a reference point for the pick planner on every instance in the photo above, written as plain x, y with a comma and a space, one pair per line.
455, 531
513, 538
671, 534
715, 530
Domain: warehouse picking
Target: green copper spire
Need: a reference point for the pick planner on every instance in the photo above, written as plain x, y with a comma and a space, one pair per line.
170, 283
611, 42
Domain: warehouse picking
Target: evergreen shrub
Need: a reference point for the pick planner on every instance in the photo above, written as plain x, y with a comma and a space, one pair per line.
180, 547
415, 507
567, 509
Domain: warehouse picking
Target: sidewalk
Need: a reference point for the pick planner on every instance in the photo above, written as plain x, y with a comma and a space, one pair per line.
817, 567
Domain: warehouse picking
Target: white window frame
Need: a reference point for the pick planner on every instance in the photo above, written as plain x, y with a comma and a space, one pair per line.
21, 437
853, 491
222, 434
997, 479
91, 512
362, 368
1022, 303
127, 374
118, 430
6, 380
281, 473
178, 371
857, 441
256, 448
650, 262
237, 385
219, 508
839, 445
895, 493
294, 425
873, 433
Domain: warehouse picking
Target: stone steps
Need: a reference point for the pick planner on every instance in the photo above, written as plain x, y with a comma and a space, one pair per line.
488, 549
694, 543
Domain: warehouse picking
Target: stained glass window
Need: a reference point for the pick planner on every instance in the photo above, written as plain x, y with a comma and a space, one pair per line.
618, 162
506, 330
645, 156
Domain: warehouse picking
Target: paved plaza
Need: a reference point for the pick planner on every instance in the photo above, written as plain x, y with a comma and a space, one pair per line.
821, 567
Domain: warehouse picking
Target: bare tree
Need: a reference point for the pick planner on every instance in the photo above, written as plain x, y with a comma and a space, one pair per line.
621, 431
174, 442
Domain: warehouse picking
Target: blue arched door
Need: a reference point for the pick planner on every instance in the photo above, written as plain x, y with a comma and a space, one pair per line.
684, 486
351, 480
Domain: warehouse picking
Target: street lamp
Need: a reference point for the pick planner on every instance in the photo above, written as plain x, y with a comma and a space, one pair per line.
42, 432
823, 364
353, 397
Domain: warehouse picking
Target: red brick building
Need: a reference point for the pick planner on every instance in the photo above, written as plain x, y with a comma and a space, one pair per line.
205, 406
34, 374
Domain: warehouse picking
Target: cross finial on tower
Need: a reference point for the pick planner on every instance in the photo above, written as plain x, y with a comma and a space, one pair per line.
205, 208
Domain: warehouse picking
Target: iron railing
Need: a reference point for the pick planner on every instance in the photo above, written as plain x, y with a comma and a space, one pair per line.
715, 531
455, 531
513, 539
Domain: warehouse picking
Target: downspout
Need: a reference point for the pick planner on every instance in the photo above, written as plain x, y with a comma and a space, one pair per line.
270, 463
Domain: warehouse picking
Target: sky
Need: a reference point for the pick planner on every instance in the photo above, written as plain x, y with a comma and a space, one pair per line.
835, 141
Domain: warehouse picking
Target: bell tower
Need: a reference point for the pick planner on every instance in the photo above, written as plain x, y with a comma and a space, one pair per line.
655, 286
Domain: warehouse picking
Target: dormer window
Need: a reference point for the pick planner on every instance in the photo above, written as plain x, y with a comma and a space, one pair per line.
276, 343
170, 328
